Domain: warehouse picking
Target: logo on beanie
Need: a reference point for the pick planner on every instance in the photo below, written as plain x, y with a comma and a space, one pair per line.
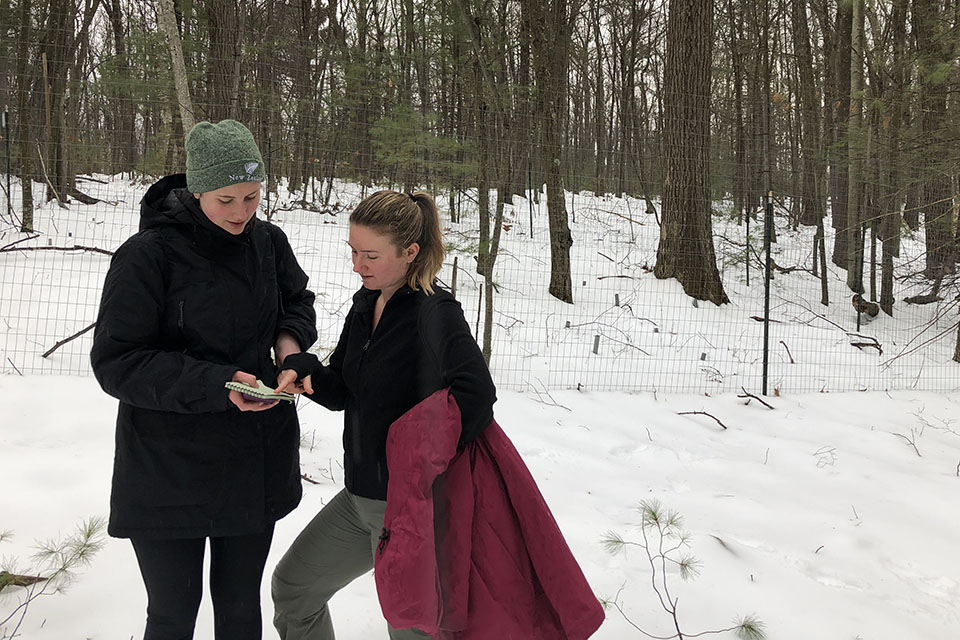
250, 168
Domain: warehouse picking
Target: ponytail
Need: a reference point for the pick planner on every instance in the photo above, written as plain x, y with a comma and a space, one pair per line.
425, 267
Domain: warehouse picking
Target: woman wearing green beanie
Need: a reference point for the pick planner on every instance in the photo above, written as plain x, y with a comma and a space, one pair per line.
204, 294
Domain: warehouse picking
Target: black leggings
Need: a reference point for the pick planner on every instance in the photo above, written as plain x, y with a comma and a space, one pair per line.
172, 571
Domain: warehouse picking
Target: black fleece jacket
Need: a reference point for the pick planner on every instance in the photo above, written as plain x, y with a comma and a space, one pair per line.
422, 344
186, 304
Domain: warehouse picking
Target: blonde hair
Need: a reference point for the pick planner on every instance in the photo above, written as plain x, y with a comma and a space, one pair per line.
407, 218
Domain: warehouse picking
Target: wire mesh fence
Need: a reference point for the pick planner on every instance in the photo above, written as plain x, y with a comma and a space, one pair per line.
625, 330
459, 99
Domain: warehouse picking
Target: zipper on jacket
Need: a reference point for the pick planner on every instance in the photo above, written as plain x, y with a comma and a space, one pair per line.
363, 350
383, 540
180, 317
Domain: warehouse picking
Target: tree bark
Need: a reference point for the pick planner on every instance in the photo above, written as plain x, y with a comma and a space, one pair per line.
891, 172
855, 149
956, 349
490, 94
124, 152
739, 187
552, 25
23, 123
839, 97
813, 208
76, 87
55, 50
168, 24
225, 22
686, 249
599, 101
935, 50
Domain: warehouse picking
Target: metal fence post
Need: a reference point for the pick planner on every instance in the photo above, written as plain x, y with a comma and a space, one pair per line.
767, 236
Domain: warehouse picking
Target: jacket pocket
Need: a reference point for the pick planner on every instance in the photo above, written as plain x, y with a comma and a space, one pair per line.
199, 317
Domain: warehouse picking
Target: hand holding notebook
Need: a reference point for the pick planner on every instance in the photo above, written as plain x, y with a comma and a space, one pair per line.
260, 393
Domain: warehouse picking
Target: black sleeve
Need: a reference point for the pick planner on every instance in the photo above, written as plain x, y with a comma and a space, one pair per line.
448, 341
327, 381
126, 356
297, 315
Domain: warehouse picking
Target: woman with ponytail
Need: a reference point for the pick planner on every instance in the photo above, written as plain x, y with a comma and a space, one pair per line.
403, 339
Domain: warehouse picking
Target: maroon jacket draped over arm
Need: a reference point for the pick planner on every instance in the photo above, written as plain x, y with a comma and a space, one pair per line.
470, 550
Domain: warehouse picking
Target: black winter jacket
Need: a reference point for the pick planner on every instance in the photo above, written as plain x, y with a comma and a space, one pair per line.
422, 344
185, 305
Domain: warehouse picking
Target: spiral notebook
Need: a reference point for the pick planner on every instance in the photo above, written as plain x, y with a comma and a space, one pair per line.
262, 392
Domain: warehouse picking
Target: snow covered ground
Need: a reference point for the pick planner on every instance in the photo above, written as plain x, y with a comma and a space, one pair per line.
830, 516
818, 515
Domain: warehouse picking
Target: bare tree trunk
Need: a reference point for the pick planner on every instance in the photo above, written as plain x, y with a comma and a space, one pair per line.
739, 189
302, 93
168, 24
599, 101
686, 249
891, 174
6, 56
839, 69
523, 129
552, 26
225, 24
483, 162
23, 124
757, 94
55, 49
813, 205
489, 99
73, 99
124, 150
956, 350
820, 249
856, 154
936, 40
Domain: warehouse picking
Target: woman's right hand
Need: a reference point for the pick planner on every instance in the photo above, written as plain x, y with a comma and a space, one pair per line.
243, 403
289, 382
295, 372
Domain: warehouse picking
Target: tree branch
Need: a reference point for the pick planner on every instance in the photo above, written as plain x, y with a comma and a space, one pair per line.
704, 413
71, 338
749, 396
76, 247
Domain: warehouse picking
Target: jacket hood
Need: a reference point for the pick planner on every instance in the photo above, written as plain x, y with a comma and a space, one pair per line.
169, 203
166, 203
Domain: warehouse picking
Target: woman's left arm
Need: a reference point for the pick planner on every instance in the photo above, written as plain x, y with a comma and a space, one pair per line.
297, 326
448, 341
285, 345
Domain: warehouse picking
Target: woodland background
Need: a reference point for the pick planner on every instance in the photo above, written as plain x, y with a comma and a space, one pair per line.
838, 117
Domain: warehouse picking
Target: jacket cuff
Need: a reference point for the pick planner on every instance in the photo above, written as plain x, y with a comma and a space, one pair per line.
217, 396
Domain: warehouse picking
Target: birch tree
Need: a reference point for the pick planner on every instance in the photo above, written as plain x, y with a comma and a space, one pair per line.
166, 18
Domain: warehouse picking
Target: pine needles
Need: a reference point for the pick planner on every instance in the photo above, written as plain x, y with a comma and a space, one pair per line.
665, 544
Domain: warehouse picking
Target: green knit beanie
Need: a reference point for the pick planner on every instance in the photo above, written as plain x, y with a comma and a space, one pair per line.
221, 154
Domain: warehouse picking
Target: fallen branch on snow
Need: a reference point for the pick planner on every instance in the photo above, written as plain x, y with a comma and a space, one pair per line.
701, 413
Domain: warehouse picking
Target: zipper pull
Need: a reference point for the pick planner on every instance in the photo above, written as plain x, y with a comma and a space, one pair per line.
383, 540
365, 345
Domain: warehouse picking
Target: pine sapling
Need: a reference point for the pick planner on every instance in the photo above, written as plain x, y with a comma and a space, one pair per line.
56, 563
665, 543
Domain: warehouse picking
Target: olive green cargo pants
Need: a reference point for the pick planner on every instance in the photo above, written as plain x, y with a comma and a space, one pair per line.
335, 548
